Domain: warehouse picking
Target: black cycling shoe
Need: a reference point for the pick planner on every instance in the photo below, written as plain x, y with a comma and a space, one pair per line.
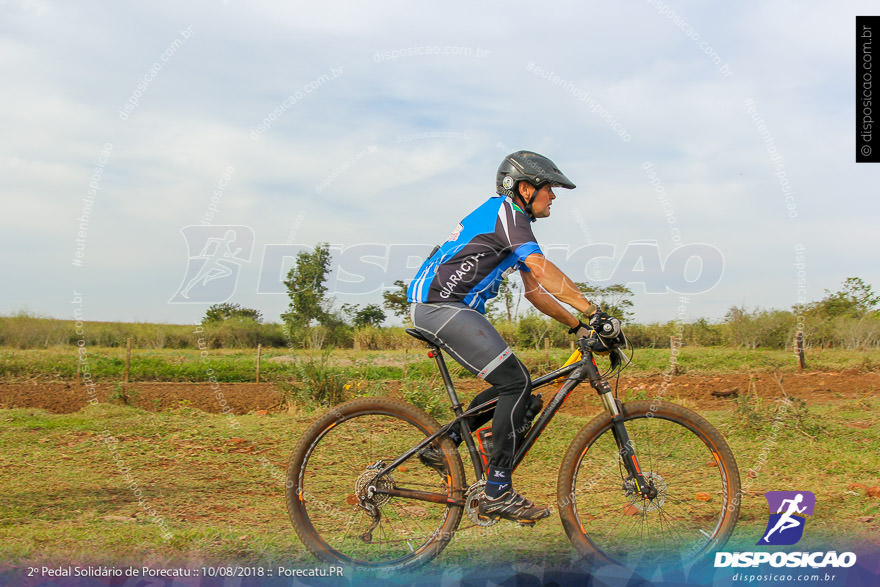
432, 457
510, 505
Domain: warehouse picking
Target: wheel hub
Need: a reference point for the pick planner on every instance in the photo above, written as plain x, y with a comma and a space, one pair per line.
647, 505
366, 485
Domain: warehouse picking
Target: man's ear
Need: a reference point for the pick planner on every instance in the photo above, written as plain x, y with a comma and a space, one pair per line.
526, 190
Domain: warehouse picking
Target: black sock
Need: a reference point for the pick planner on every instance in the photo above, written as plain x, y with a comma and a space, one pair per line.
498, 481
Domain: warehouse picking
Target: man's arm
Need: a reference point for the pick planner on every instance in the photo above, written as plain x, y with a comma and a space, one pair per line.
556, 283
546, 303
545, 283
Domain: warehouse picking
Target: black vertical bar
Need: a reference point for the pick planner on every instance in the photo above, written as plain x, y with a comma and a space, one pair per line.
867, 137
447, 380
476, 459
800, 349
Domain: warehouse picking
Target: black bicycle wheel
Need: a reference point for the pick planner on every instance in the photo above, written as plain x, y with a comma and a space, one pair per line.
690, 466
330, 473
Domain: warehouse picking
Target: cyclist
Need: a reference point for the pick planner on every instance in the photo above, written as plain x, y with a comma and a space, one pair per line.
448, 296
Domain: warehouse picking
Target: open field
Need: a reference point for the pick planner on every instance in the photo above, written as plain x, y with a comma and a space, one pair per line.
107, 364
70, 469
219, 490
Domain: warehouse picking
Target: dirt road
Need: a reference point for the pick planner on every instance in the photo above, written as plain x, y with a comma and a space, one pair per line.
695, 390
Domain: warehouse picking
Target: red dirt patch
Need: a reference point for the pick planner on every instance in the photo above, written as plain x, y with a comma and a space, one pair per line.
818, 387
62, 398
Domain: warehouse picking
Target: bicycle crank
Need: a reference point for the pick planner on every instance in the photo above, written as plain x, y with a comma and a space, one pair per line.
472, 503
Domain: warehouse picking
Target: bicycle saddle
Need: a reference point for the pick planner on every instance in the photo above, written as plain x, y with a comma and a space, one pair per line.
416, 334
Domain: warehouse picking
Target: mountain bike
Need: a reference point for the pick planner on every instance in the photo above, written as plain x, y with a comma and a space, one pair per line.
645, 483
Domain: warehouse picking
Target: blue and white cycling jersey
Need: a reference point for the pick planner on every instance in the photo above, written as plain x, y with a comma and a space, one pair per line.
489, 243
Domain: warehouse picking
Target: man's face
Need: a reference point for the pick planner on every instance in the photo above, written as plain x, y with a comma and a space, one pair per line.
541, 200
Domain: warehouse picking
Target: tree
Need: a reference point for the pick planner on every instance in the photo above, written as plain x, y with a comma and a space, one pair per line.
613, 299
395, 300
306, 287
848, 317
222, 312
533, 328
358, 316
369, 315
855, 299
503, 304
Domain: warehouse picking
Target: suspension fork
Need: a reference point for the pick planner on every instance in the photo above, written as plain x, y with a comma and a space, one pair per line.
618, 430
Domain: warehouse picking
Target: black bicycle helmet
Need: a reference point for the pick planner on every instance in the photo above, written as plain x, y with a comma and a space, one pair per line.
531, 167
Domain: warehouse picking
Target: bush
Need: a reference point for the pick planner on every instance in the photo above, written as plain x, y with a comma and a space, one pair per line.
315, 383
376, 338
704, 333
426, 397
760, 328
532, 329
27, 331
507, 330
654, 335
856, 333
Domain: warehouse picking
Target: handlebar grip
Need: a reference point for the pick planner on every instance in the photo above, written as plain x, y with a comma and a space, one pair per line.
609, 328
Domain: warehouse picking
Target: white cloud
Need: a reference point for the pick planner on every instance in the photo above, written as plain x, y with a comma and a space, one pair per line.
401, 148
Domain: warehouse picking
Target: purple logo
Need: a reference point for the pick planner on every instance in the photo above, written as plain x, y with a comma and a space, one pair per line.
788, 511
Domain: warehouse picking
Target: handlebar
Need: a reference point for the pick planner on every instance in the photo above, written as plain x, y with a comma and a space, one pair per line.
605, 336
608, 328
610, 343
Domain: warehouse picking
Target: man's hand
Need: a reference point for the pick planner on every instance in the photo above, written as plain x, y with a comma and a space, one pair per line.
581, 330
605, 326
598, 317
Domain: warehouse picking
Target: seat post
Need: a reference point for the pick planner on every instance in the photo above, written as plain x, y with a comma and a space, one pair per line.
435, 353
447, 379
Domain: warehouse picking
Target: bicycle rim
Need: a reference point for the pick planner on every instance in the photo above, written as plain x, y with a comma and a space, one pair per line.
337, 461
686, 460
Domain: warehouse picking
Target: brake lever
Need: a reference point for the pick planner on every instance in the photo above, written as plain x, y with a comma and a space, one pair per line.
593, 343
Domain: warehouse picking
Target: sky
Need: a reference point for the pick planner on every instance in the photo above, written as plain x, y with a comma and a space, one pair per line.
159, 157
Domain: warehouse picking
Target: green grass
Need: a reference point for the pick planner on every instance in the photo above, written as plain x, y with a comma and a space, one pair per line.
107, 364
219, 489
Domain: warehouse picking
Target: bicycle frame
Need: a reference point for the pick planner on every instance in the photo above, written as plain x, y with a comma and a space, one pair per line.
579, 367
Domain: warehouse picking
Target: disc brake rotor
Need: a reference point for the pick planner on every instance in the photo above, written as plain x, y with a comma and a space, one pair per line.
647, 505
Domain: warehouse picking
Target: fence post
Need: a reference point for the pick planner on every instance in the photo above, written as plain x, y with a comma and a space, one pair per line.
127, 359
800, 351
78, 365
259, 353
571, 344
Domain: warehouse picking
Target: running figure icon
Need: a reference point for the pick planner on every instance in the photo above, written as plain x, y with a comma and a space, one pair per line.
788, 514
788, 521
216, 254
